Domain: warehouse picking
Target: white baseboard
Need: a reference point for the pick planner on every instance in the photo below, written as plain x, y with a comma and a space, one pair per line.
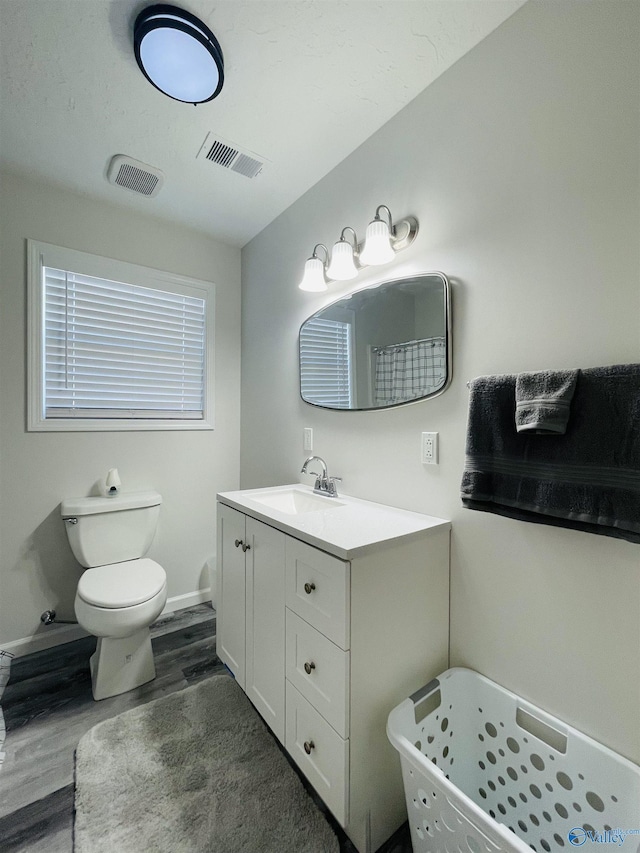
189, 599
57, 635
49, 636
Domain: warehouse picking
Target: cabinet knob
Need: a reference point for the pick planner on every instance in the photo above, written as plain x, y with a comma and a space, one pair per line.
308, 667
308, 746
246, 547
309, 587
238, 543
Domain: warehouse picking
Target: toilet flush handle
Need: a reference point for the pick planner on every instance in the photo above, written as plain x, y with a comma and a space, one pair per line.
71, 520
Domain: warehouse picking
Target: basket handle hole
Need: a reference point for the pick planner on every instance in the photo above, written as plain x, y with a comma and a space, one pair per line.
543, 731
426, 704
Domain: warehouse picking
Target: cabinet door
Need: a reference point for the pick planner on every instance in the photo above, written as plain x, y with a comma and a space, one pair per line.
265, 623
231, 599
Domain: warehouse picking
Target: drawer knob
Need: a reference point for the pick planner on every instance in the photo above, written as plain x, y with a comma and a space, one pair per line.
308, 746
246, 547
309, 667
238, 543
309, 587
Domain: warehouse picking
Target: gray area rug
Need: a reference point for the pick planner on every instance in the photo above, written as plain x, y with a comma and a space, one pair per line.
194, 771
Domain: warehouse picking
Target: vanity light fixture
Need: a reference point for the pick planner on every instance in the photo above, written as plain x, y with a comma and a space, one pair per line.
343, 258
178, 54
314, 280
382, 241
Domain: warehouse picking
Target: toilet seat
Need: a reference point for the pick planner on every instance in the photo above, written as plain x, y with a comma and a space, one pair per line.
119, 585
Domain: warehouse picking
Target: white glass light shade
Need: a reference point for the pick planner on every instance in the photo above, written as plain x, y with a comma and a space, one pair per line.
342, 266
179, 65
377, 244
313, 279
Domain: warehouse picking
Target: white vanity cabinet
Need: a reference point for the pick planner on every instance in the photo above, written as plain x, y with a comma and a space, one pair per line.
351, 616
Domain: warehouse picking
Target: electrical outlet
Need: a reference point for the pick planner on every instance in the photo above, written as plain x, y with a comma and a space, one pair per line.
430, 448
307, 438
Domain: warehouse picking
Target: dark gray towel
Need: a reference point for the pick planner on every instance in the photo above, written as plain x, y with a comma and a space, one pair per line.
587, 479
543, 401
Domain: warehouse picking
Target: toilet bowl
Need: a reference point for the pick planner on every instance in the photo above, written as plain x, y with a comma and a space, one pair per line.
121, 592
117, 603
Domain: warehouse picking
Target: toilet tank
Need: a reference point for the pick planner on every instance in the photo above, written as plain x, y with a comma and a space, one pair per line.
105, 530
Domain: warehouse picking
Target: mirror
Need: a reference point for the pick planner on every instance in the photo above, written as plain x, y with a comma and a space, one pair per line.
380, 347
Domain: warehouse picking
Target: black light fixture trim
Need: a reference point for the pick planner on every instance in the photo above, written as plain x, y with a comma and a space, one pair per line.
163, 15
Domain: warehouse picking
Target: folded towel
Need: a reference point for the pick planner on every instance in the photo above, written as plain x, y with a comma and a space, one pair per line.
543, 400
587, 479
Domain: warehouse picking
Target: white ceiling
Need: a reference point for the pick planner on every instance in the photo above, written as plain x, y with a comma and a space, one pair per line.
306, 82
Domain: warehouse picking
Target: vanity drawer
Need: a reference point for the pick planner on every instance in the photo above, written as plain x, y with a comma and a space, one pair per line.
317, 749
319, 670
317, 589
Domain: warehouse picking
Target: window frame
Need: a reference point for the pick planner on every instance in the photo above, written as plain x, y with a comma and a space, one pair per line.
40, 255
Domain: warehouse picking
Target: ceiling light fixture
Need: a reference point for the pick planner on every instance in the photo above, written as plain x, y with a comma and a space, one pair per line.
178, 54
382, 241
313, 280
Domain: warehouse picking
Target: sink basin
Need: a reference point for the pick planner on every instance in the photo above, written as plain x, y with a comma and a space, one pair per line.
295, 502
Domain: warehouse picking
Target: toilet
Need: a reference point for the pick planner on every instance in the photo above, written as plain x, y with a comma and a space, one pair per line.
122, 592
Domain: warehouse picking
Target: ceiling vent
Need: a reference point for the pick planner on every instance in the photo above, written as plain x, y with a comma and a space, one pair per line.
134, 176
231, 156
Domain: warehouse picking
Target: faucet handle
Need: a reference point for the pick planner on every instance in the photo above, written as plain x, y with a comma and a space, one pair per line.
331, 486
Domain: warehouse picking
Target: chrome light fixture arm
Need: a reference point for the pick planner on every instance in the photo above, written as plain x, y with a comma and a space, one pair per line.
326, 252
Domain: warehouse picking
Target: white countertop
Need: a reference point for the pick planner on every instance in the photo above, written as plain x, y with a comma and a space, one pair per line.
346, 531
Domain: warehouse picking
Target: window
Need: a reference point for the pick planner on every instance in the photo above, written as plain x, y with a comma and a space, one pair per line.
325, 363
115, 346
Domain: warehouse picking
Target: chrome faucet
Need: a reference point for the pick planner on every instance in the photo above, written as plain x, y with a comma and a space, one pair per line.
324, 485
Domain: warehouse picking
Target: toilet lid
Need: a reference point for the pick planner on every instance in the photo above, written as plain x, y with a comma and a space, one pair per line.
122, 584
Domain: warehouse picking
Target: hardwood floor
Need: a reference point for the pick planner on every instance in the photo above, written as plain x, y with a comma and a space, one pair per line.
48, 706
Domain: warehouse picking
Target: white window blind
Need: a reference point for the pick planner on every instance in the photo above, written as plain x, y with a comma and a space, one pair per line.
118, 350
325, 363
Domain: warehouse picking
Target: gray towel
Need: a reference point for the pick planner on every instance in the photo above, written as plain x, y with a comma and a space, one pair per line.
587, 479
543, 400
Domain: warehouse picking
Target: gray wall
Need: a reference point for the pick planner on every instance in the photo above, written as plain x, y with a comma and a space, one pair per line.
38, 470
521, 164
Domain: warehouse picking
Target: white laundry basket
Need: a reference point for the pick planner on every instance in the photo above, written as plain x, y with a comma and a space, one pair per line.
486, 771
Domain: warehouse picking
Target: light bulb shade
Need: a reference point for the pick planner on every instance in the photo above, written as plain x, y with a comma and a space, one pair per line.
178, 54
313, 280
343, 265
377, 244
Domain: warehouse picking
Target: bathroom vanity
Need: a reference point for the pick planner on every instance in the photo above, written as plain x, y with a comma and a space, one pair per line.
330, 612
